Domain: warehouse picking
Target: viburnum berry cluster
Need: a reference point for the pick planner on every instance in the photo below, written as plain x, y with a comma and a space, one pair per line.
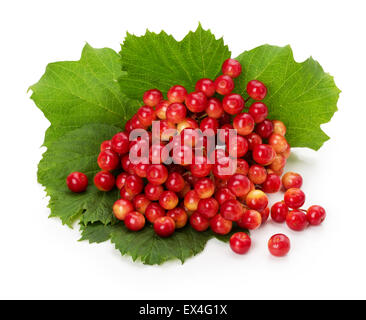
171, 175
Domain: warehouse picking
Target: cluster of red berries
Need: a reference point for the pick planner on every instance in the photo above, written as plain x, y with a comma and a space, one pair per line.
201, 192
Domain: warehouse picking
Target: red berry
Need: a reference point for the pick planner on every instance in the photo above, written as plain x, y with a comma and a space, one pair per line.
177, 94
128, 126
253, 140
154, 211
152, 97
278, 142
224, 194
250, 219
233, 103
140, 203
200, 167
264, 129
168, 200
134, 184
205, 188
257, 174
209, 124
141, 168
106, 145
126, 195
206, 86
296, 220
157, 174
187, 123
279, 245
191, 200
136, 123
220, 225
294, 198
164, 226
175, 182
279, 212
179, 216
231, 68
196, 101
77, 182
199, 222
256, 200
243, 123
278, 164
265, 215
127, 165
316, 215
161, 108
237, 146
121, 208
272, 183
153, 192
120, 143
231, 210
146, 115
108, 160
134, 221
240, 242
256, 90
224, 85
214, 108
279, 127
104, 181
239, 185
176, 112
242, 166
259, 111
291, 180
263, 154
208, 207
121, 180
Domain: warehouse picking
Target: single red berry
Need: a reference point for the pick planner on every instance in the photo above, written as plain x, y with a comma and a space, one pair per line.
175, 182
279, 127
199, 222
121, 180
134, 221
191, 200
256, 200
196, 101
140, 203
136, 123
177, 94
214, 108
264, 129
120, 143
233, 103
278, 142
237, 146
250, 219
134, 184
257, 174
200, 167
179, 216
106, 145
224, 194
77, 182
294, 198
153, 192
296, 220
108, 160
126, 195
253, 140
240, 242
278, 164
104, 181
279, 212
208, 207
265, 215
168, 200
239, 185
244, 124
231, 68
141, 168
157, 174
160, 109
316, 215
231, 210
154, 211
205, 188
176, 112
279, 245
164, 226
242, 166
209, 124
224, 84
128, 126
291, 180
146, 115
127, 165
206, 86
263, 154
256, 90
121, 208
259, 111
152, 97
272, 183
220, 225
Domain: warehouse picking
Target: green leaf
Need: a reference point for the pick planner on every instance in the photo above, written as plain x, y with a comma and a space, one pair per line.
160, 61
301, 95
77, 150
74, 93
96, 232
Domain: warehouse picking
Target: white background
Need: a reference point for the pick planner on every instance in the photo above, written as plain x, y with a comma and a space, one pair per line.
40, 258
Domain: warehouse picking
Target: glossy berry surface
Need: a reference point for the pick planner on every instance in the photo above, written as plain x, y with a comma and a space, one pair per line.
279, 127
256, 90
120, 143
106, 145
191, 200
168, 200
134, 184
296, 220
257, 174
157, 174
231, 210
220, 225
291, 180
154, 211
278, 142
224, 85
146, 115
199, 222
164, 226
152, 97
240, 243
256, 200
231, 68
177, 93
258, 111
77, 182
104, 181
121, 208
272, 183
175, 182
316, 215
140, 203
250, 219
263, 154
214, 108
223, 194
279, 245
179, 216
294, 198
264, 129
239, 185
153, 191
279, 212
134, 221
121, 180
233, 103
208, 207
176, 112
244, 124
205, 188
196, 101
206, 86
